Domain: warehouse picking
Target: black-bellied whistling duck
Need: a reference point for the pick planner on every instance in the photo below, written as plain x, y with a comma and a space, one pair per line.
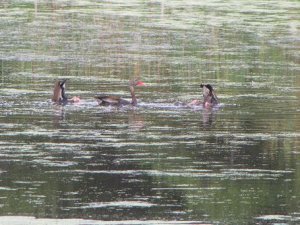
210, 99
118, 101
59, 95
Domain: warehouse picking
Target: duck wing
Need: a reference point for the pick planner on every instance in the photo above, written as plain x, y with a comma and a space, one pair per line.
111, 100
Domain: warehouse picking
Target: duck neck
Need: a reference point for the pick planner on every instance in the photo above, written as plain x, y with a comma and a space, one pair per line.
211, 98
214, 98
133, 98
63, 94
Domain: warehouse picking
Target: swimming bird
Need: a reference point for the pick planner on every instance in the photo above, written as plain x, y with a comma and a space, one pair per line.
59, 95
210, 99
118, 101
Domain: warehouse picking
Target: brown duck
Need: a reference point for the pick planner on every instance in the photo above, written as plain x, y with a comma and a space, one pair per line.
210, 99
59, 95
118, 101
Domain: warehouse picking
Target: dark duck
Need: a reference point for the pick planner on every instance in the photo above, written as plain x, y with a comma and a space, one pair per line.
59, 95
210, 99
118, 101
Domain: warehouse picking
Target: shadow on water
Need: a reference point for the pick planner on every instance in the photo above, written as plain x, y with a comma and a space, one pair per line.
59, 115
208, 117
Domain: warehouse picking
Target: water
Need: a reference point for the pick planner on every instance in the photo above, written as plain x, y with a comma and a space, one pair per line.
160, 162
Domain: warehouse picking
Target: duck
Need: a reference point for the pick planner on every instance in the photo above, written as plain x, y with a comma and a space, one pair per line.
118, 101
59, 95
210, 99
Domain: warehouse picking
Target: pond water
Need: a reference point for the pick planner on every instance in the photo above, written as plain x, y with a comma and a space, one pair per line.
159, 162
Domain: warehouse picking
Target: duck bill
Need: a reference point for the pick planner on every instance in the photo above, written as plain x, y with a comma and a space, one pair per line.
140, 83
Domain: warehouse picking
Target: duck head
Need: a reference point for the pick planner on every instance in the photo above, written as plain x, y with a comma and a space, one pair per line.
137, 82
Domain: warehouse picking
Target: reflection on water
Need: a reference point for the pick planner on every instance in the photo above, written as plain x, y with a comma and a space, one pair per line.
208, 117
160, 162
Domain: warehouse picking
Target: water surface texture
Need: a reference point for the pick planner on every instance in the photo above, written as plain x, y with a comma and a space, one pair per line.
159, 162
